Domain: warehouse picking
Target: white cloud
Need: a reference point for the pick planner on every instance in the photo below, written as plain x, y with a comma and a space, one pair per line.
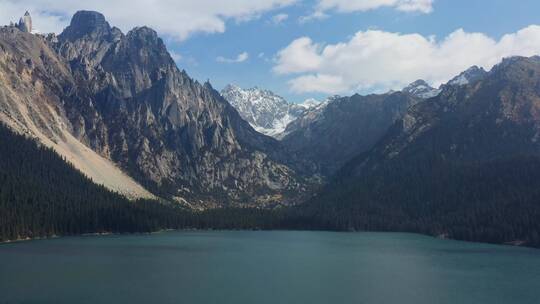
317, 15
330, 84
177, 19
240, 58
381, 60
279, 18
302, 55
422, 6
349, 6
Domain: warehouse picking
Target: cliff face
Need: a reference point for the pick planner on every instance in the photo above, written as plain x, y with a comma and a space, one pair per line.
124, 98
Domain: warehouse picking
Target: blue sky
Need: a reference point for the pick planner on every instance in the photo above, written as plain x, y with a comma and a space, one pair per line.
360, 46
492, 17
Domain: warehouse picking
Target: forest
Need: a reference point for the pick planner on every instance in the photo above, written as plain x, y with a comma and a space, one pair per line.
42, 196
496, 201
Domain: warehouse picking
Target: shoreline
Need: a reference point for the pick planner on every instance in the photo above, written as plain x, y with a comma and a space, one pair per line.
518, 244
94, 234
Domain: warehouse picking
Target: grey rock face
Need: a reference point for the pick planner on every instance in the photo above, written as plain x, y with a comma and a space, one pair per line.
86, 23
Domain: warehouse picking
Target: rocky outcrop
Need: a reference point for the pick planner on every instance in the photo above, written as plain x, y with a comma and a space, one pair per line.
25, 23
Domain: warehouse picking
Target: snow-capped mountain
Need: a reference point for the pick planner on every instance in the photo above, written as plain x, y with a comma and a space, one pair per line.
267, 112
421, 89
473, 74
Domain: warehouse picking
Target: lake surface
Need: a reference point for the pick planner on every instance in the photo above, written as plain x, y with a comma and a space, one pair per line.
267, 267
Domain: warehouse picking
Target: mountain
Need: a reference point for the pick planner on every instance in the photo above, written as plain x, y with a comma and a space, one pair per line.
421, 89
465, 165
345, 126
117, 107
338, 129
267, 112
473, 74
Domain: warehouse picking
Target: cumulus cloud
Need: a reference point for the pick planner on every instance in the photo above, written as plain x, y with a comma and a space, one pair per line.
422, 6
240, 58
177, 19
379, 60
302, 55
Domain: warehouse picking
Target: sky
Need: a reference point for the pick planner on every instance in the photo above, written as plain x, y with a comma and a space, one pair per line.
316, 48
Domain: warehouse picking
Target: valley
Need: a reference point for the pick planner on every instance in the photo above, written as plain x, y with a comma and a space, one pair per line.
123, 140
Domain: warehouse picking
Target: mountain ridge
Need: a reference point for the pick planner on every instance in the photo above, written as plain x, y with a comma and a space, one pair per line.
461, 165
124, 97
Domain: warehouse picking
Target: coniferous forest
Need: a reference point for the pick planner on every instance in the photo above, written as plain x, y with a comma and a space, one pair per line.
472, 202
41, 196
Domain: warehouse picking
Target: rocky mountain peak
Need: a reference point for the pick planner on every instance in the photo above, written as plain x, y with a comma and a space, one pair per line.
471, 75
142, 46
421, 89
144, 35
267, 112
25, 23
86, 23
513, 66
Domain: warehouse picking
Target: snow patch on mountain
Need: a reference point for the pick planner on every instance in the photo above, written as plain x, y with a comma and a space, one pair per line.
265, 111
421, 89
473, 74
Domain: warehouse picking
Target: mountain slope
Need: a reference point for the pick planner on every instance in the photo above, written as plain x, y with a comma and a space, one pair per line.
41, 195
462, 165
332, 135
123, 97
267, 112
34, 86
421, 89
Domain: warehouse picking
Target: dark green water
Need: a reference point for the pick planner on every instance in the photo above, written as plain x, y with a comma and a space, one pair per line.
267, 267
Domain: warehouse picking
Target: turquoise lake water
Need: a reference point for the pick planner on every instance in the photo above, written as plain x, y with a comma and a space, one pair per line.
267, 267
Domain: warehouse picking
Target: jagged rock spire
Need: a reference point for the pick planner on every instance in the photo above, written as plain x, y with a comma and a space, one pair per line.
25, 23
